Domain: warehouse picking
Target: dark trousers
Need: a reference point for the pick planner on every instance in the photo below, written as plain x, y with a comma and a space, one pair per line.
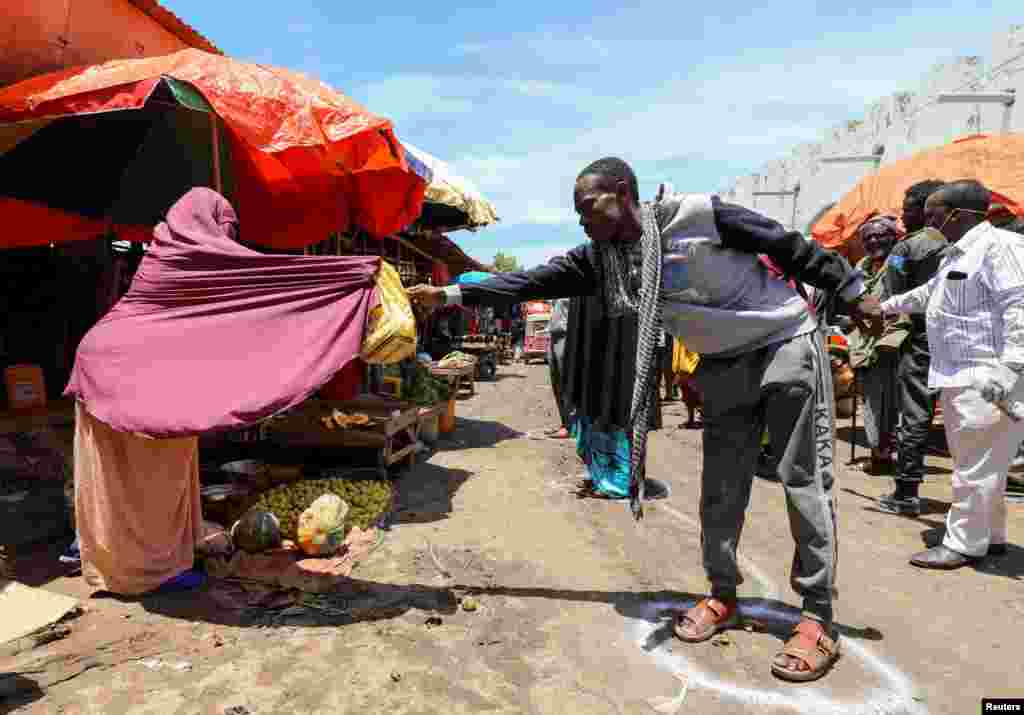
917, 407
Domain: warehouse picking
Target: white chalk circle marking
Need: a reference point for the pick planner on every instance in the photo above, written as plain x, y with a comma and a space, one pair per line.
895, 695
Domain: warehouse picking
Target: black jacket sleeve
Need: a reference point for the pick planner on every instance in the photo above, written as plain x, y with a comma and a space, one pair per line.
895, 277
745, 230
568, 276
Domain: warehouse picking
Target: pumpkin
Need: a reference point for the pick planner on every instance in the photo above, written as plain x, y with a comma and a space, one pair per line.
256, 531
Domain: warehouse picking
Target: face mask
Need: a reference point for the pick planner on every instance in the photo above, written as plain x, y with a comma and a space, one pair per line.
954, 212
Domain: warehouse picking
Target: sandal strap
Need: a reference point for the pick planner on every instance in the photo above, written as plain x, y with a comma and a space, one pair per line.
719, 612
715, 606
823, 644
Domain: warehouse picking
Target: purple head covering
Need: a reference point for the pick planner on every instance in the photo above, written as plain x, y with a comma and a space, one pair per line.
201, 216
881, 225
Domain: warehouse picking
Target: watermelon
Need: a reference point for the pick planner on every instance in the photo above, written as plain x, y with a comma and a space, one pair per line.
256, 531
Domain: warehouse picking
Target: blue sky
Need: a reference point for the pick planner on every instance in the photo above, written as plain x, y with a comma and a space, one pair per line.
522, 96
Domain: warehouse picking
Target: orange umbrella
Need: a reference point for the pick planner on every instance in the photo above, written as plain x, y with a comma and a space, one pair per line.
996, 161
305, 160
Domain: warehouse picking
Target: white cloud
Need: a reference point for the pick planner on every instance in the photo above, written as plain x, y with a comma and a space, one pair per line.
727, 115
433, 96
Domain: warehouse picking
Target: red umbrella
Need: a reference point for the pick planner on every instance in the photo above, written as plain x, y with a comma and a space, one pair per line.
304, 160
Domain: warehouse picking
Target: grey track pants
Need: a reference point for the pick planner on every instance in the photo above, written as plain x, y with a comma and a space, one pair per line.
788, 387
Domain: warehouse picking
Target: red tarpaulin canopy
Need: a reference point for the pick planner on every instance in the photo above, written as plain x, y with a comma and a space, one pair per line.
305, 160
996, 161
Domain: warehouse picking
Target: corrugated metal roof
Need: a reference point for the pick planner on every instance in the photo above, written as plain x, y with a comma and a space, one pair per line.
175, 25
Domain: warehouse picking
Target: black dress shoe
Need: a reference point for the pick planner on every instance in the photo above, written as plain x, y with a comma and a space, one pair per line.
939, 557
655, 489
895, 503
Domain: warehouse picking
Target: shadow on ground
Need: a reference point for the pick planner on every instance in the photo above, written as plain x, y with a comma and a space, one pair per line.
364, 601
936, 438
425, 494
474, 434
1010, 566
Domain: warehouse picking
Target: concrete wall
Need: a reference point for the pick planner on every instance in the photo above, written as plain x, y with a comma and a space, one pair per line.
901, 124
38, 36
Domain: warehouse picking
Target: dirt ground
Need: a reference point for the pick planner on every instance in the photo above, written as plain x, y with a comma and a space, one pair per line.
572, 599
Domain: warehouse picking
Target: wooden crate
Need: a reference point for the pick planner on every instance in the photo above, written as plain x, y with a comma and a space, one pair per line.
390, 420
457, 377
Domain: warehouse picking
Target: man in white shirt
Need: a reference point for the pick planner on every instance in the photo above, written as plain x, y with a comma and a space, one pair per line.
974, 310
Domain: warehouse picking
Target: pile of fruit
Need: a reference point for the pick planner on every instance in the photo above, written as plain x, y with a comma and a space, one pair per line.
456, 359
368, 500
425, 389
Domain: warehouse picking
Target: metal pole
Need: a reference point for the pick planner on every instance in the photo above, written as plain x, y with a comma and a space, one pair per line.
796, 195
853, 432
218, 184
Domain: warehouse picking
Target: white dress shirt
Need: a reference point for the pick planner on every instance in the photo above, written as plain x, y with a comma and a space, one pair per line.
973, 306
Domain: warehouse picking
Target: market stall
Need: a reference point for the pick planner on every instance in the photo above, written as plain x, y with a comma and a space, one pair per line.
537, 340
262, 469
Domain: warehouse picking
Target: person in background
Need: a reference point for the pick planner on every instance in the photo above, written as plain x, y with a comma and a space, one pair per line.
684, 365
448, 326
875, 357
557, 329
912, 263
518, 329
598, 374
974, 311
664, 361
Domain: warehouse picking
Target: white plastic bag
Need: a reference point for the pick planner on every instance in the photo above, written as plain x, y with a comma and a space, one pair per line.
974, 411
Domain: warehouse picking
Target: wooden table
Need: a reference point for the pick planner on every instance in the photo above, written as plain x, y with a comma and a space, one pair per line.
390, 420
457, 377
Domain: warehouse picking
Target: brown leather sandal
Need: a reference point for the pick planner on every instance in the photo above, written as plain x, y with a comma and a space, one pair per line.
810, 644
708, 617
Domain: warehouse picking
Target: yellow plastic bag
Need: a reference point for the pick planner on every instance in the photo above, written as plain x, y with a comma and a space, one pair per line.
391, 326
684, 362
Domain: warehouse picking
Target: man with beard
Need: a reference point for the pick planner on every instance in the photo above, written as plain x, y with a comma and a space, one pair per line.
762, 360
912, 263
